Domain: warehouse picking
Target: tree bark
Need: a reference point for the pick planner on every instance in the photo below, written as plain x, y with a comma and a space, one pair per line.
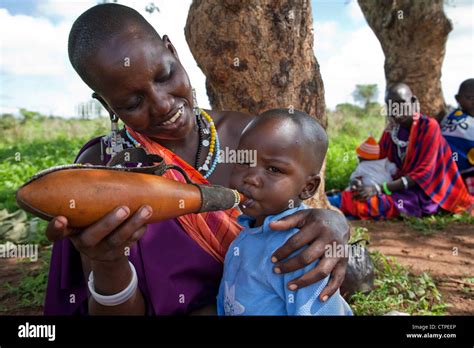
413, 37
258, 55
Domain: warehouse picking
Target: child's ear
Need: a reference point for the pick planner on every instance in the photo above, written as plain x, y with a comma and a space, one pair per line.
311, 187
169, 45
103, 102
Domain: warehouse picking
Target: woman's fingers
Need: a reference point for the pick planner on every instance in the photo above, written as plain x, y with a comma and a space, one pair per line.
131, 229
335, 282
96, 232
298, 240
297, 220
321, 271
107, 239
303, 259
57, 228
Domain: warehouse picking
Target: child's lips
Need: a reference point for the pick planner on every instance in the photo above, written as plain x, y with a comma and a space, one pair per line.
247, 203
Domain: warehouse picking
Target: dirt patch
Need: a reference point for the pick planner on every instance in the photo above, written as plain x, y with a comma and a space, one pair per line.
448, 255
12, 271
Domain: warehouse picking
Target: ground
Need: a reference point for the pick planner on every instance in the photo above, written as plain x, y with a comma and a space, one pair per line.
448, 255
12, 271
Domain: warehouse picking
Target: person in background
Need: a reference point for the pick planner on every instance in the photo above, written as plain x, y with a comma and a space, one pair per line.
371, 170
458, 130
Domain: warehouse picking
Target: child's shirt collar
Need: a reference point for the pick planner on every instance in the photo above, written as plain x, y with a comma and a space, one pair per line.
458, 114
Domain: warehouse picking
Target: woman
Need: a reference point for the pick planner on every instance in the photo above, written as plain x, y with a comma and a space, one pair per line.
175, 265
428, 179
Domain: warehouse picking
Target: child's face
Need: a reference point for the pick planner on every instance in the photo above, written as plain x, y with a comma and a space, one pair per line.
466, 101
281, 176
143, 82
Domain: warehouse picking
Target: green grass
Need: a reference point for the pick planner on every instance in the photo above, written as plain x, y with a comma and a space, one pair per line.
396, 288
30, 147
25, 149
30, 291
431, 224
348, 127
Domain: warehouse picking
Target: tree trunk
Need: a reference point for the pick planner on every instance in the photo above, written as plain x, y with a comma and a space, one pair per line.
258, 55
413, 37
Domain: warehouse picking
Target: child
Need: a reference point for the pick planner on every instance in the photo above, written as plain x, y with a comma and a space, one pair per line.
371, 170
458, 129
290, 151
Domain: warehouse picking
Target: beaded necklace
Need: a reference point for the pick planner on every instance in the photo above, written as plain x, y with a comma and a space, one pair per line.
210, 163
400, 143
214, 146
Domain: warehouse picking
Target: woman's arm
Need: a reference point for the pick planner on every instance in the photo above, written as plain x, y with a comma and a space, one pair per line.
109, 279
365, 192
103, 247
319, 228
397, 185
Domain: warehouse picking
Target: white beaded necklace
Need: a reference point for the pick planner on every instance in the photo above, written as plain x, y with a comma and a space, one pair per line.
400, 143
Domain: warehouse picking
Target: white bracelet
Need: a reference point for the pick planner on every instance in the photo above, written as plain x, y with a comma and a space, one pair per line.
405, 182
116, 299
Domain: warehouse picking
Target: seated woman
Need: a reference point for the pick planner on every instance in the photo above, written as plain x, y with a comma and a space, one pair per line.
427, 179
174, 266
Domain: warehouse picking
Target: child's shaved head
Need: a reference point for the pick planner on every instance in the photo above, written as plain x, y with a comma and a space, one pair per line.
307, 129
467, 86
290, 147
465, 96
96, 27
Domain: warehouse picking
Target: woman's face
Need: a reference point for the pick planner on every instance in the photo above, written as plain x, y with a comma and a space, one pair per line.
402, 106
143, 82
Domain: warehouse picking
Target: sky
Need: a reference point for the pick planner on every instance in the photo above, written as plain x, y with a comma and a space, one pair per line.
35, 72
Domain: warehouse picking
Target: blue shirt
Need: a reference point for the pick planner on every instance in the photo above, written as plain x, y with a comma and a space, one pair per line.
249, 285
458, 130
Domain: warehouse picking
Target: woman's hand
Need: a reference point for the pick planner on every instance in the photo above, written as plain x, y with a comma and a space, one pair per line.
319, 228
103, 247
105, 240
364, 193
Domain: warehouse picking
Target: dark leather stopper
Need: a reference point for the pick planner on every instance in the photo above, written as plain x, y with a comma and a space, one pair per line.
215, 197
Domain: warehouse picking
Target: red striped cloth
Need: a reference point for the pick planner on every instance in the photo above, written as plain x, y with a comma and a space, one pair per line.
213, 231
429, 163
375, 208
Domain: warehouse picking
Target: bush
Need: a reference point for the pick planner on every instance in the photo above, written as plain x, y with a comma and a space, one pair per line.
348, 126
8, 121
